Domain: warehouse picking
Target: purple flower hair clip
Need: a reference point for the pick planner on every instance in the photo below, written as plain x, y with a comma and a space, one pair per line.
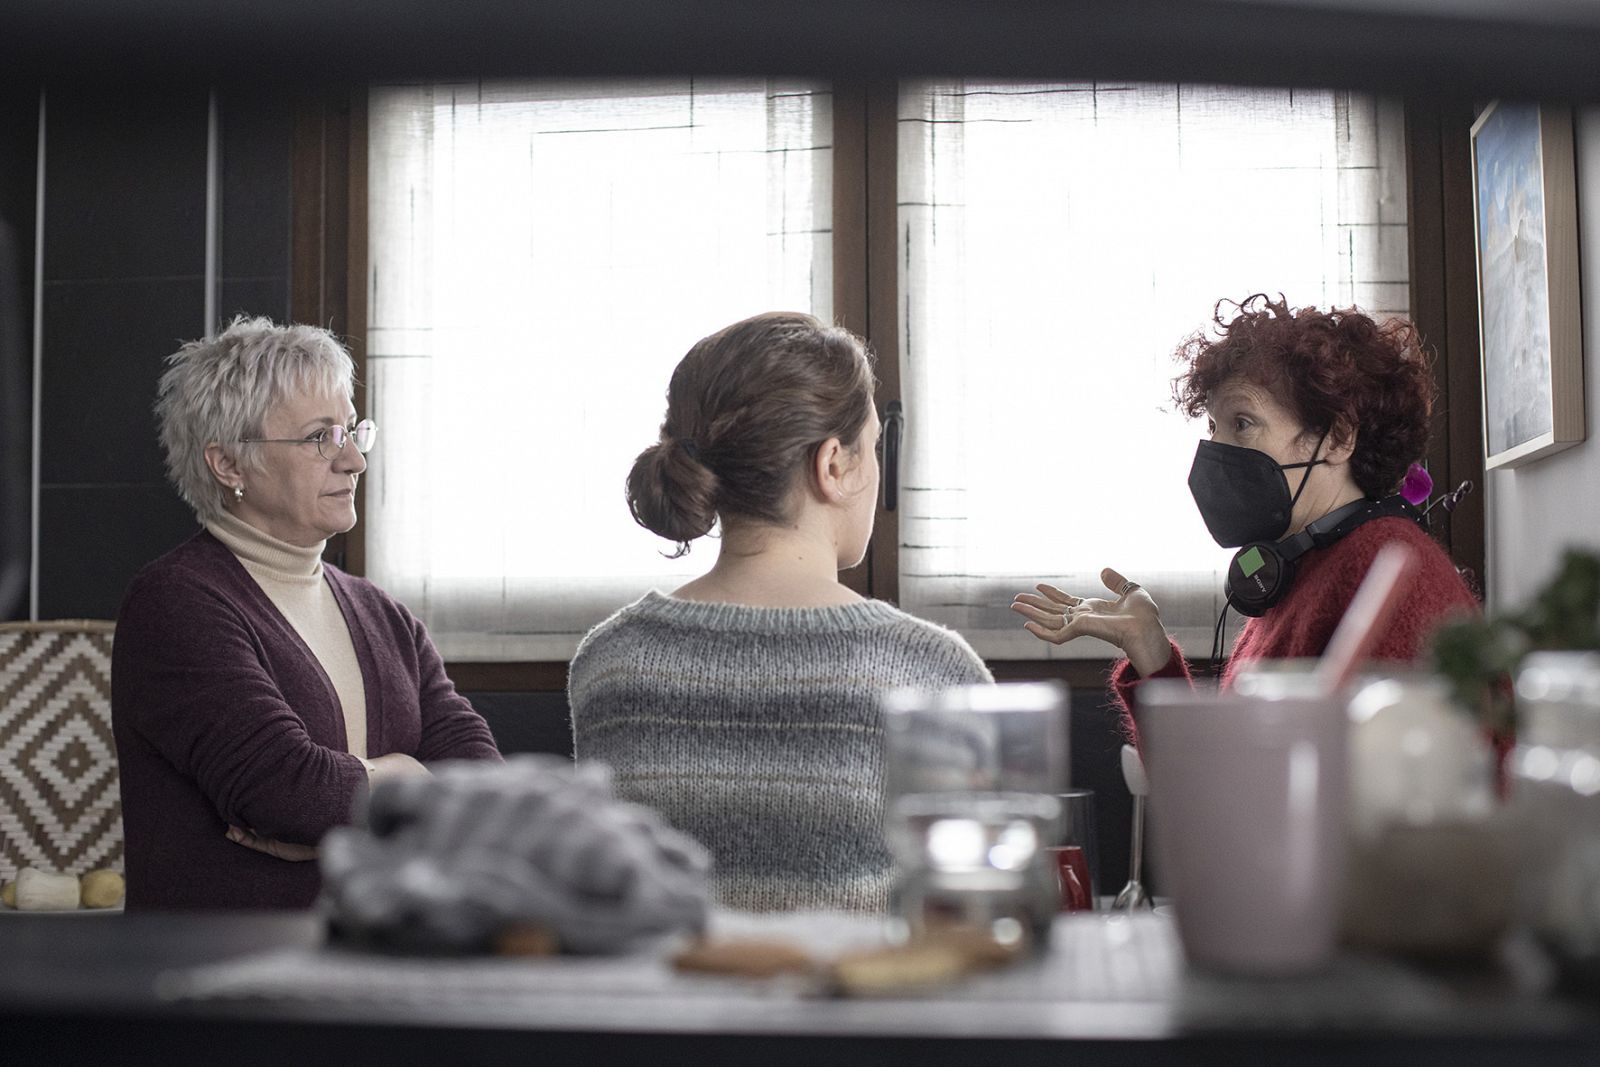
1417, 485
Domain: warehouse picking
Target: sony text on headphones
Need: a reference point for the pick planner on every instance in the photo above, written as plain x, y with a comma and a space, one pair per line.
1260, 573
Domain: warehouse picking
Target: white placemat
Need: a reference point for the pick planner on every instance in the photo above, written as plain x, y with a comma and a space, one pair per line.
1092, 958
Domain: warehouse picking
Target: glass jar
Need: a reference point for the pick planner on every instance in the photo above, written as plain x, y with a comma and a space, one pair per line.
969, 772
1431, 870
1416, 759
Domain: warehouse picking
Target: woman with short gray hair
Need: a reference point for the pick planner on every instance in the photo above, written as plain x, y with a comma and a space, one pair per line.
257, 690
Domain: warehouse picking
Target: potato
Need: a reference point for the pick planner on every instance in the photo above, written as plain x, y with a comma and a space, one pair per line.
8, 894
103, 888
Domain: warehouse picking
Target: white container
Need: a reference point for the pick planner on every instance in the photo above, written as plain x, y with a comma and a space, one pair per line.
1415, 759
1555, 806
1430, 872
1558, 701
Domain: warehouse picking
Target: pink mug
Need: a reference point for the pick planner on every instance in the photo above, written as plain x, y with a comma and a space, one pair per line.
1247, 798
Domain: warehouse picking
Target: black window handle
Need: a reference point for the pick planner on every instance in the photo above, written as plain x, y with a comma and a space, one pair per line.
894, 422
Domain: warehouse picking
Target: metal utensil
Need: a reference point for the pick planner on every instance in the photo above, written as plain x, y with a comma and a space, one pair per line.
1133, 895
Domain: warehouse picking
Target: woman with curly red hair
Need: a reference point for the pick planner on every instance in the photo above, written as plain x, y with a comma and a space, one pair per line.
1315, 419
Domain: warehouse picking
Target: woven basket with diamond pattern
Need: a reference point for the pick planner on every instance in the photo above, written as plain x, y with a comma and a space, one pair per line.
60, 809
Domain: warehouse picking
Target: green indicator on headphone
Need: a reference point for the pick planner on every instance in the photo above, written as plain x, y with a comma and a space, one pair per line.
1251, 561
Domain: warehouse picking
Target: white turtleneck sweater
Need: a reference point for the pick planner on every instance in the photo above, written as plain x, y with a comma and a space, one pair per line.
292, 578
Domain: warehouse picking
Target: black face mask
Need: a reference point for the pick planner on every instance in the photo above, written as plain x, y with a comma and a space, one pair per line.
1242, 493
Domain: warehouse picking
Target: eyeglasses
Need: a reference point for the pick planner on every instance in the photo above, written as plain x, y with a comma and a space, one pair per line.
330, 440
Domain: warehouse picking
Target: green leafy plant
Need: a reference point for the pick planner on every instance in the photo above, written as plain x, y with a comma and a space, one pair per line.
1480, 655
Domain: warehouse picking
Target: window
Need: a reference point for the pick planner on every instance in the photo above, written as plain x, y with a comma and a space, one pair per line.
542, 254
1059, 241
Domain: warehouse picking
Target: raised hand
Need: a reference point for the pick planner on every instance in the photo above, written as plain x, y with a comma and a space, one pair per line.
1130, 620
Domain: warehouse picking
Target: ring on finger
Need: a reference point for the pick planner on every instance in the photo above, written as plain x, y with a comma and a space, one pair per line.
1128, 587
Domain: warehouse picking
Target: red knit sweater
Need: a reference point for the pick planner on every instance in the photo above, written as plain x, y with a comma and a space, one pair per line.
1325, 582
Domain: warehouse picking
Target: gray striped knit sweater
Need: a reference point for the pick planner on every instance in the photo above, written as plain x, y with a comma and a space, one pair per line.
757, 731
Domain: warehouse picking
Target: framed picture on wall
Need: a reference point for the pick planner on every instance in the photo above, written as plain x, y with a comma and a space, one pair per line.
1525, 212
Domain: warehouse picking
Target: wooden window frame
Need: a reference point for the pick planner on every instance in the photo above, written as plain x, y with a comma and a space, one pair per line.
328, 287
328, 246
1444, 306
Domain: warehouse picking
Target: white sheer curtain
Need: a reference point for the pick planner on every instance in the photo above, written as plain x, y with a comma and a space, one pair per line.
1059, 242
541, 256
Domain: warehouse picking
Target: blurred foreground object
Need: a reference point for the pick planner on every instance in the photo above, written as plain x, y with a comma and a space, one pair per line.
1133, 895
454, 862
1552, 648
971, 772
937, 956
1248, 810
1480, 655
1555, 807
1430, 873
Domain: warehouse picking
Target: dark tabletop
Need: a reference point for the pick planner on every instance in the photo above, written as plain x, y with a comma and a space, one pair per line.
255, 988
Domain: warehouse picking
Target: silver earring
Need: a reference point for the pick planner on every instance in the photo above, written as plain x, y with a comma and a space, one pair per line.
238, 493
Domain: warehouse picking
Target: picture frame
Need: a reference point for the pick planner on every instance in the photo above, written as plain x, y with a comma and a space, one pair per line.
1525, 227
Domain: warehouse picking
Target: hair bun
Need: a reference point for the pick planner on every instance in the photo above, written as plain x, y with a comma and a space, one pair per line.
754, 401
672, 493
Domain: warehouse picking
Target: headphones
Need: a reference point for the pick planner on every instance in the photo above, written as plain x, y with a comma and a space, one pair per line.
1260, 573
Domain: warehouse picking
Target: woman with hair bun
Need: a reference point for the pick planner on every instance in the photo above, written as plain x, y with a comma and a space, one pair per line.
744, 706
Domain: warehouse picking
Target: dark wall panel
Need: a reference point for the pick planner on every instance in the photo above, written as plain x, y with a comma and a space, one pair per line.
19, 138
527, 722
93, 539
105, 343
124, 285
125, 184
253, 296
256, 131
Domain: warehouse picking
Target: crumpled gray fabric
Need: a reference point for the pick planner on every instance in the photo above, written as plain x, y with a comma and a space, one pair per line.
445, 863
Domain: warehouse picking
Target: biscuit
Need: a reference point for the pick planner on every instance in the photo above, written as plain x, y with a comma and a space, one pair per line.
898, 968
745, 958
526, 939
976, 944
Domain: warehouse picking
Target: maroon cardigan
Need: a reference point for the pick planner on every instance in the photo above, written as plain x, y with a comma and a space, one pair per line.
222, 715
